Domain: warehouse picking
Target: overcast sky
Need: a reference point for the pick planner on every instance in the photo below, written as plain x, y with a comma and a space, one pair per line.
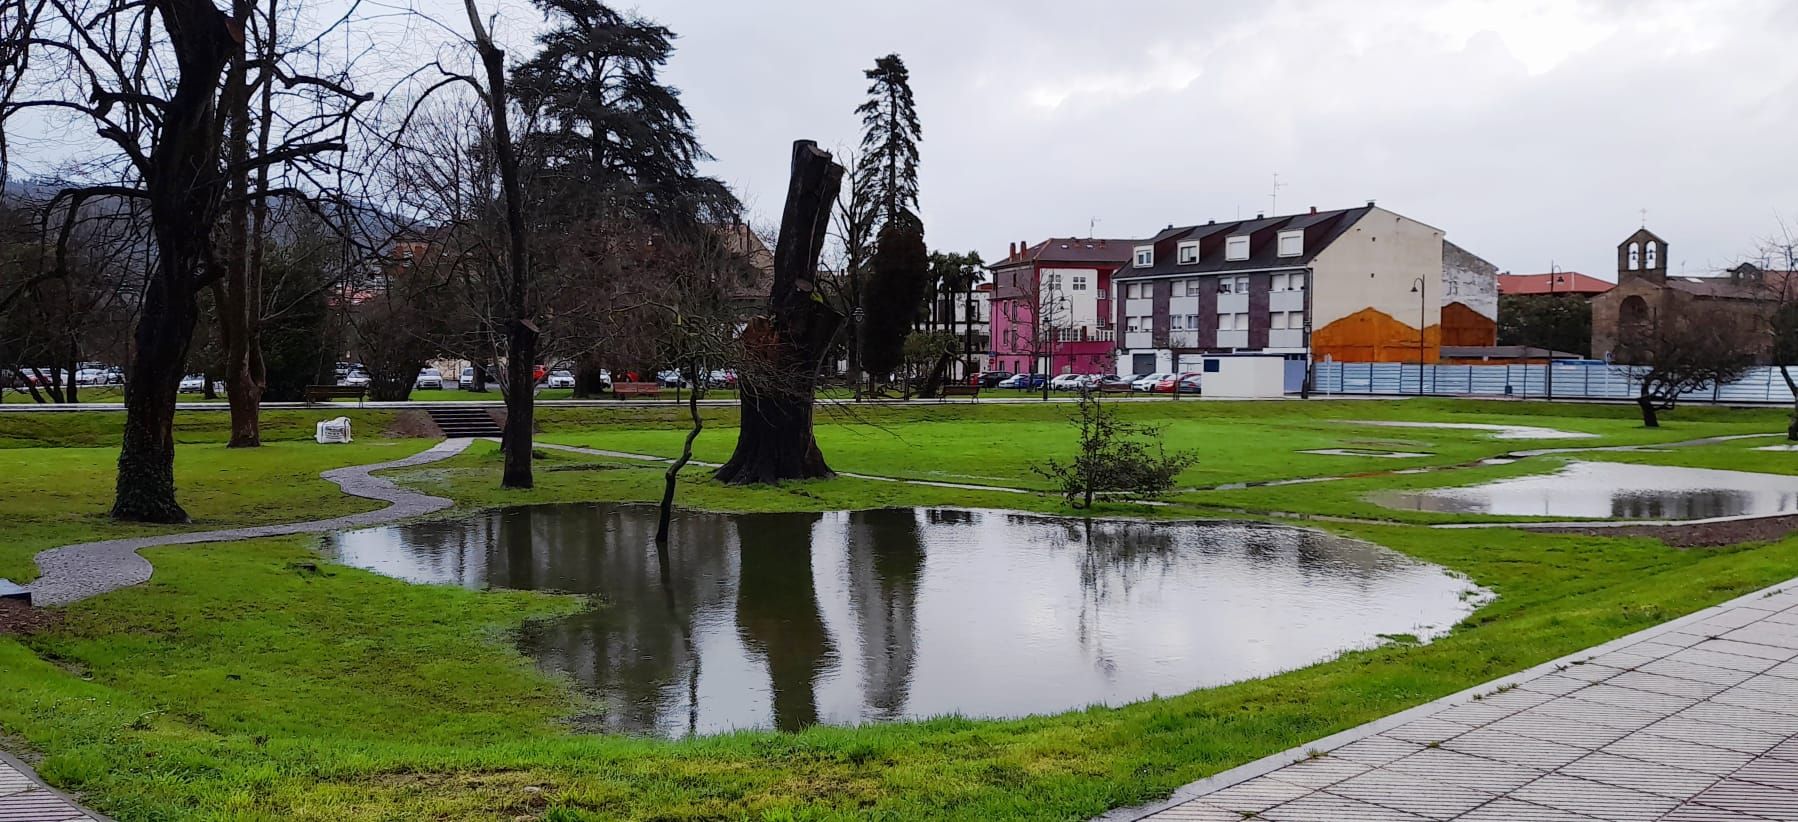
1528, 131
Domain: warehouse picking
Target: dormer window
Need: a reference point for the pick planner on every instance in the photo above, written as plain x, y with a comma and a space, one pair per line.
1189, 253
1236, 248
1145, 256
1292, 243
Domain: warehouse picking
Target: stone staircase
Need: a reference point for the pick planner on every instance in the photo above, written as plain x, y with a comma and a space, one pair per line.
462, 421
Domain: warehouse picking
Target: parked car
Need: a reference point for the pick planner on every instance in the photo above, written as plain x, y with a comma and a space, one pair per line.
193, 384
1025, 381
559, 379
1147, 382
1111, 384
1188, 382
722, 378
94, 374
356, 378
671, 379
429, 378
465, 380
1068, 382
991, 379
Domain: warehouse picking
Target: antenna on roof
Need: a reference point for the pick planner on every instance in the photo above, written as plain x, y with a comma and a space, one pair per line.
1092, 228
1273, 198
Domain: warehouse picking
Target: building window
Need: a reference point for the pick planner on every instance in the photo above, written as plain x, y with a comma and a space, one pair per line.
1192, 322
1649, 262
1292, 243
1226, 322
1079, 283
1233, 285
1635, 256
1193, 286
1145, 256
1052, 282
1237, 248
1189, 253
1178, 322
1242, 322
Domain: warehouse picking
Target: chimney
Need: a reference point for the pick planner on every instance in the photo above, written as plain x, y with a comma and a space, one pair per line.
1013, 253
1370, 204
1314, 209
1260, 215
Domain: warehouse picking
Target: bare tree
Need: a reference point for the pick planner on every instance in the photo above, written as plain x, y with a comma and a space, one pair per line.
148, 77
1782, 250
1681, 352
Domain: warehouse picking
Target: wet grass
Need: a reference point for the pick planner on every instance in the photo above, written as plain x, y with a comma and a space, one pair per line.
254, 680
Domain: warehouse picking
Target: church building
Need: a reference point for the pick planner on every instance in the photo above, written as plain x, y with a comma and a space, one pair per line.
1645, 293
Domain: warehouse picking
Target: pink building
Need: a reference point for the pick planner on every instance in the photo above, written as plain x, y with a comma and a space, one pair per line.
1052, 310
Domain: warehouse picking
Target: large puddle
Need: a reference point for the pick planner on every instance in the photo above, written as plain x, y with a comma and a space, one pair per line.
1613, 490
784, 620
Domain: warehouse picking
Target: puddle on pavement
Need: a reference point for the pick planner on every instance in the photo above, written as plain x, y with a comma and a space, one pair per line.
1612, 490
785, 620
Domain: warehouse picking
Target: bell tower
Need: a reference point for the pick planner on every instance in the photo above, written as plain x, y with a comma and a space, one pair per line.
1642, 256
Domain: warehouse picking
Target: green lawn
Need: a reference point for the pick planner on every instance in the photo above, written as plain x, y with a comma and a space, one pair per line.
254, 680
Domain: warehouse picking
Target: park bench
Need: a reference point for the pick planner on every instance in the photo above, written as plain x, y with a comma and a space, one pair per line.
956, 390
621, 390
316, 393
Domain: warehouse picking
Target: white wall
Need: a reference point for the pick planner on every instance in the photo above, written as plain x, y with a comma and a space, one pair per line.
1083, 306
1245, 378
1374, 265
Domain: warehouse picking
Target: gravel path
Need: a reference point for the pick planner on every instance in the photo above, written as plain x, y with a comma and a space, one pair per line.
76, 572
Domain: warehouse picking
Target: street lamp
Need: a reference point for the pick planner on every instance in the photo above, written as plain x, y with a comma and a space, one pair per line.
856, 339
1417, 287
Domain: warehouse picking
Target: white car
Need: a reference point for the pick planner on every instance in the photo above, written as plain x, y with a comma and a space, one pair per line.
1068, 382
428, 378
559, 379
193, 384
357, 378
1148, 383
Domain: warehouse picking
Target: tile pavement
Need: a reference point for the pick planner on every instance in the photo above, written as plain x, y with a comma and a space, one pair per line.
24, 799
1692, 721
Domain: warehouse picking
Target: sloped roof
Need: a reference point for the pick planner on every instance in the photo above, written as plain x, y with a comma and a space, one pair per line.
1564, 282
1321, 228
1088, 250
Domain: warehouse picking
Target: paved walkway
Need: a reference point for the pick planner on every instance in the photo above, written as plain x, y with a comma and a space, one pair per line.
76, 572
1695, 720
23, 798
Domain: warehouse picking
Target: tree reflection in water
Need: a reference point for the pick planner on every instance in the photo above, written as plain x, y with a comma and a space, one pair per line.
777, 613
786, 620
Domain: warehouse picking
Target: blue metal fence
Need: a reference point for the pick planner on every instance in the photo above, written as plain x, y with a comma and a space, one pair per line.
1570, 382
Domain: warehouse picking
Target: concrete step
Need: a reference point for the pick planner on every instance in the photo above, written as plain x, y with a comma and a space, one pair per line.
463, 422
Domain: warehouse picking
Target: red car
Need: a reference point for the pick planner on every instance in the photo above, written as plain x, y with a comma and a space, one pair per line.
1189, 384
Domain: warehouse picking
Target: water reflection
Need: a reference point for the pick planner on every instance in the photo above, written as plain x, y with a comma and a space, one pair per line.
1599, 490
785, 620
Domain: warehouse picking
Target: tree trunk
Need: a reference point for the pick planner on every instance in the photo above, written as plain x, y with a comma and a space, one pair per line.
673, 474
1792, 386
1650, 418
184, 189
521, 333
587, 383
232, 293
774, 441
521, 404
146, 482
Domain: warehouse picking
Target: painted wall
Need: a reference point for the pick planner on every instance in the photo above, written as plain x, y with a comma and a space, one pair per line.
1469, 298
1363, 306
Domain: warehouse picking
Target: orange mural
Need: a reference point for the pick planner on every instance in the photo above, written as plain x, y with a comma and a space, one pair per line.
1464, 326
1370, 335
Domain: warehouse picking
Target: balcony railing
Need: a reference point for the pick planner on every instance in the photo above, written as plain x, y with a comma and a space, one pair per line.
1085, 334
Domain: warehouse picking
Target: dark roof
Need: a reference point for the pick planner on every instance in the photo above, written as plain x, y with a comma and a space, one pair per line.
1565, 282
1321, 228
1075, 250
1723, 288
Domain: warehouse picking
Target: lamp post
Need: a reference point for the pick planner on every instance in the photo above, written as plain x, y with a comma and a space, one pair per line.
1417, 287
859, 315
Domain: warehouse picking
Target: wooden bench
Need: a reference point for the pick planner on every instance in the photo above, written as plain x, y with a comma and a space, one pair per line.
315, 393
621, 390
958, 390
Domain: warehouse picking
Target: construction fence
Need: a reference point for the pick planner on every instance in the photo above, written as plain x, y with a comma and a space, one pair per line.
1595, 381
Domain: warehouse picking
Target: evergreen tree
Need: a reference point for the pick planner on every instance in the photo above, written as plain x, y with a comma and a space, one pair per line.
900, 277
612, 140
888, 172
